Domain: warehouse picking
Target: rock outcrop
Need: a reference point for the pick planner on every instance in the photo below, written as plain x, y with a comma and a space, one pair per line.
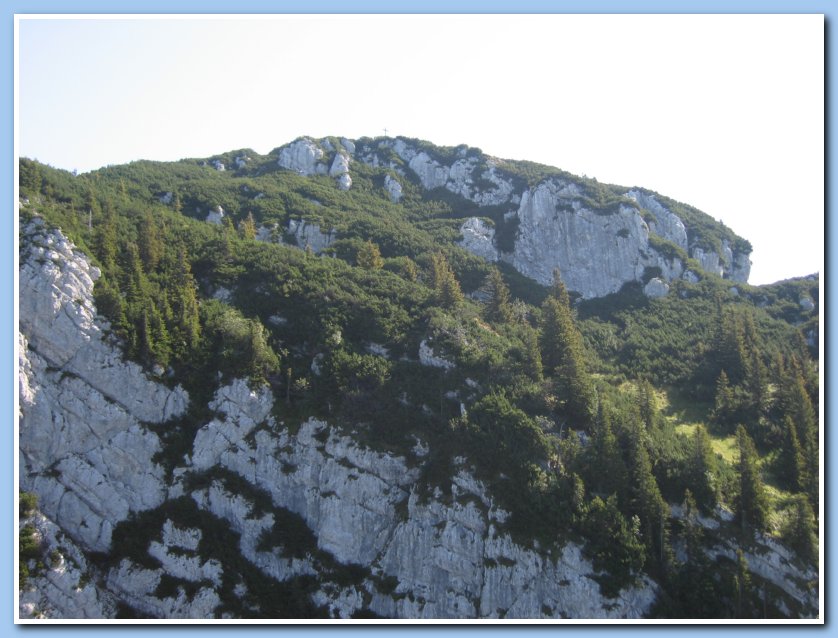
446, 559
597, 250
83, 446
63, 588
302, 156
308, 157
596, 253
393, 188
310, 235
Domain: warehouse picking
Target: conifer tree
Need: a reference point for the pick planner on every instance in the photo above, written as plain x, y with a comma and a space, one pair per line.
369, 256
792, 465
724, 408
105, 239
756, 382
446, 287
498, 308
647, 402
742, 583
802, 533
532, 355
803, 415
563, 356
185, 311
700, 471
149, 242
751, 501
647, 502
609, 469
247, 227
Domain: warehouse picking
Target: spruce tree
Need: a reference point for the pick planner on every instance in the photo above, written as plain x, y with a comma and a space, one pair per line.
608, 469
751, 501
563, 356
792, 464
185, 311
647, 502
532, 355
446, 287
700, 471
805, 419
802, 532
742, 584
149, 242
498, 308
724, 409
105, 239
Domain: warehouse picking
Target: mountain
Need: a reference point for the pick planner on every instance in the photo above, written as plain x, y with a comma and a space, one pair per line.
380, 378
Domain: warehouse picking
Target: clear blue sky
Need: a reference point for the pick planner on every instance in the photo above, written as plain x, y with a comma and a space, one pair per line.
721, 112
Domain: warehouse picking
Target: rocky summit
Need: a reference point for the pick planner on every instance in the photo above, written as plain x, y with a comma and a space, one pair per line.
379, 379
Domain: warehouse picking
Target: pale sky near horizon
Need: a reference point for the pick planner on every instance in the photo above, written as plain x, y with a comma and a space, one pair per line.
723, 112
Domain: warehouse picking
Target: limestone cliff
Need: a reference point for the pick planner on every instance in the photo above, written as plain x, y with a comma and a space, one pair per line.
598, 248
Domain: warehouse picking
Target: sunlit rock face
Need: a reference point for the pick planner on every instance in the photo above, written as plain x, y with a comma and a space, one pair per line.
84, 448
596, 253
303, 156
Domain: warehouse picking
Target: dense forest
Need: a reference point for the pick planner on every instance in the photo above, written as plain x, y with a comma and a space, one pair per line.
620, 421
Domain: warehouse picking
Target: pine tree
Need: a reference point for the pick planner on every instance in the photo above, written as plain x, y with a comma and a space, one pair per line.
498, 307
751, 502
369, 256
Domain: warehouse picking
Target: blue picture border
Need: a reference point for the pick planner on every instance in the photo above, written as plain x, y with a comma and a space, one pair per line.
7, 376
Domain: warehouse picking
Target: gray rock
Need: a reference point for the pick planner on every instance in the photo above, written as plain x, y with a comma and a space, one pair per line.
478, 238
307, 234
596, 253
83, 448
656, 287
302, 156
345, 182
340, 165
668, 225
428, 358
215, 216
393, 188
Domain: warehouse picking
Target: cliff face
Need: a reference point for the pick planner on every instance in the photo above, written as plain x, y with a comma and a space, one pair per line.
597, 249
83, 447
87, 452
